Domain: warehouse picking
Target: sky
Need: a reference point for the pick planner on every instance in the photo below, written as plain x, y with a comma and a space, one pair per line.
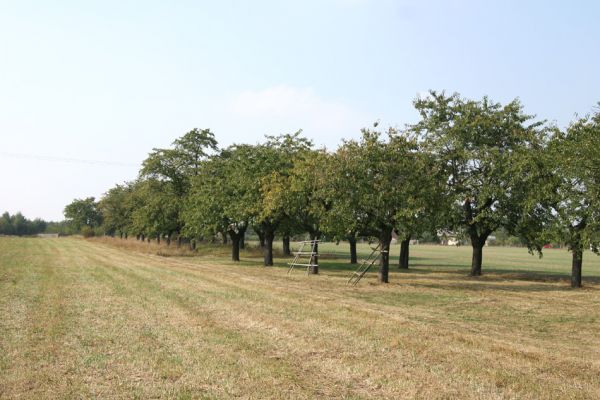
89, 88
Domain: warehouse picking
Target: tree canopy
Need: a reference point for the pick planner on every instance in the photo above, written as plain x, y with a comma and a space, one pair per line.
487, 153
466, 167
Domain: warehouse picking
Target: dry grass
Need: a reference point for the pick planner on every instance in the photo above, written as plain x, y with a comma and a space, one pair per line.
87, 319
173, 250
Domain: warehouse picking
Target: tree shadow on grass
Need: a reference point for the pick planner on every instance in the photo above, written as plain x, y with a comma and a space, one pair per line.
456, 276
453, 276
493, 278
491, 287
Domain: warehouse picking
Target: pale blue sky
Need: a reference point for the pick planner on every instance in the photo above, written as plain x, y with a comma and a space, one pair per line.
110, 80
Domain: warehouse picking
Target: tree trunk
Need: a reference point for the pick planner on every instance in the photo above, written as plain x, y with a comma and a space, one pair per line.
353, 255
126, 235
193, 244
142, 237
179, 238
269, 235
286, 246
404, 250
576, 266
477, 256
314, 260
235, 245
384, 264
261, 239
158, 238
121, 235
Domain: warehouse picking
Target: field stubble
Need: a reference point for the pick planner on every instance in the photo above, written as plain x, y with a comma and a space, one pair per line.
96, 319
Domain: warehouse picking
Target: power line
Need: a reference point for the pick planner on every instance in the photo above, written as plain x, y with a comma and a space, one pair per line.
39, 157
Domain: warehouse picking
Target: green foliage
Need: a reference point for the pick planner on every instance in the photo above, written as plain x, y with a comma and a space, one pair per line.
213, 205
115, 207
184, 160
489, 155
170, 171
378, 182
157, 208
18, 225
275, 162
87, 232
471, 167
83, 213
310, 194
575, 158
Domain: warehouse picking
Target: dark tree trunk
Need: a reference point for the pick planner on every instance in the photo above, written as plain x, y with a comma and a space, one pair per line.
477, 259
179, 238
193, 244
404, 250
314, 260
353, 255
158, 238
126, 236
384, 264
286, 245
142, 237
235, 245
261, 239
169, 239
269, 235
121, 235
477, 238
576, 266
148, 239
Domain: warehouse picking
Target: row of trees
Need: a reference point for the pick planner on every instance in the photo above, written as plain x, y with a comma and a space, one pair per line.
18, 225
467, 166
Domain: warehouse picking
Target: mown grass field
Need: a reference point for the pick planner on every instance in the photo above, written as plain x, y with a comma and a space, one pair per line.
104, 319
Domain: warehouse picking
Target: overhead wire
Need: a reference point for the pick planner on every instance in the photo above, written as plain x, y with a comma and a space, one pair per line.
39, 157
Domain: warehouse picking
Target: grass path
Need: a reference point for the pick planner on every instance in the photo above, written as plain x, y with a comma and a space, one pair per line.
88, 320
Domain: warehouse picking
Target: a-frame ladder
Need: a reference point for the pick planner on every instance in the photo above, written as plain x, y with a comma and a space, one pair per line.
365, 265
300, 254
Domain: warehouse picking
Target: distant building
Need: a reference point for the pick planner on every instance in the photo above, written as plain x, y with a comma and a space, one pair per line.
448, 238
491, 240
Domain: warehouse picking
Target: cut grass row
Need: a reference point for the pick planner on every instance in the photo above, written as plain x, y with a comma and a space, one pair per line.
90, 319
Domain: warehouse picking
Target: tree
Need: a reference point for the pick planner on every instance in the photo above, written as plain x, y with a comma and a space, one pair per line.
217, 196
575, 155
310, 196
424, 207
377, 179
82, 213
158, 211
115, 208
178, 165
6, 226
273, 165
18, 225
487, 153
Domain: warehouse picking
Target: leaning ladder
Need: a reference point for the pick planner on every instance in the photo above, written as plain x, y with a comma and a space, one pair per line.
365, 265
300, 254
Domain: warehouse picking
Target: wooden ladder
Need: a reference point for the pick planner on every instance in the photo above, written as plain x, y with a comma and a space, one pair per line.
365, 265
300, 254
